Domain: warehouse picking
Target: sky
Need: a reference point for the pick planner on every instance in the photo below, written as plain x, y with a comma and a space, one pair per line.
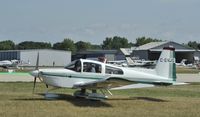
94, 20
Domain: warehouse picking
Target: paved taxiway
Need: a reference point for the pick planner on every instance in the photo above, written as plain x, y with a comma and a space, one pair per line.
188, 77
25, 77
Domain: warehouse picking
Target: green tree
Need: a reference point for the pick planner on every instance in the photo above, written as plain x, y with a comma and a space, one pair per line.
96, 47
107, 44
7, 45
131, 44
57, 46
33, 45
115, 43
193, 44
80, 45
69, 45
66, 44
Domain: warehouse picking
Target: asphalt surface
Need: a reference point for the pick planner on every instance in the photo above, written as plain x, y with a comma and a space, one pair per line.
188, 77
25, 77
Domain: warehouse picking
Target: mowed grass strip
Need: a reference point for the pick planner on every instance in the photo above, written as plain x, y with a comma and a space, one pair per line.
184, 70
16, 99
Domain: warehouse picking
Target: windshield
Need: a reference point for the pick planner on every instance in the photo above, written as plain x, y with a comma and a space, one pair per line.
75, 66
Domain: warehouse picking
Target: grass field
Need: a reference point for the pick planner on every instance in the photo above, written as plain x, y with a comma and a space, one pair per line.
17, 100
184, 70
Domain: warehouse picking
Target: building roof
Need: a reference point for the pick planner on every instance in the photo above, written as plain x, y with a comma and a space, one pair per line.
176, 50
158, 46
98, 52
33, 50
150, 45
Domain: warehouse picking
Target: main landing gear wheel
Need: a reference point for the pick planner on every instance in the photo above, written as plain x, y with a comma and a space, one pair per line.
81, 93
91, 96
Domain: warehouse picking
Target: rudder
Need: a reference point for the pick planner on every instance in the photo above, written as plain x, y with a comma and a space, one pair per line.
166, 66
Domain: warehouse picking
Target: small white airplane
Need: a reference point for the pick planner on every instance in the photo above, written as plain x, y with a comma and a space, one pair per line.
182, 63
9, 63
13, 64
120, 63
94, 75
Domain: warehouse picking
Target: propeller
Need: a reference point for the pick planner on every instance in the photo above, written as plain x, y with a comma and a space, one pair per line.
36, 73
36, 69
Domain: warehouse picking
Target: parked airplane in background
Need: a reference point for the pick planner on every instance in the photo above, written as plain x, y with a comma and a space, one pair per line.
120, 63
137, 62
182, 63
9, 63
13, 64
94, 75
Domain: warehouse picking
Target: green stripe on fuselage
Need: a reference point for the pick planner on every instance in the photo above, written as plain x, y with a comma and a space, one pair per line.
99, 78
72, 76
174, 68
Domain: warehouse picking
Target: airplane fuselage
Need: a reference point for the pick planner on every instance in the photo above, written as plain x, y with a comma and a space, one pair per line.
69, 78
88, 74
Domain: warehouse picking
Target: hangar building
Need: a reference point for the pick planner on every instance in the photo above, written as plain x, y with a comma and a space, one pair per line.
110, 55
151, 51
47, 57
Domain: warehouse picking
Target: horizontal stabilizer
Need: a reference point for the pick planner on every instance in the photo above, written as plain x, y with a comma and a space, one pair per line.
140, 85
180, 83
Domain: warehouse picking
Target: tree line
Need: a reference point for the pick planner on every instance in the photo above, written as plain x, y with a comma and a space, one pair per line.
115, 42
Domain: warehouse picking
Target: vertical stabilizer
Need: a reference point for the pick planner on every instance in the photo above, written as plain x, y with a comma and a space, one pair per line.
128, 56
166, 66
129, 60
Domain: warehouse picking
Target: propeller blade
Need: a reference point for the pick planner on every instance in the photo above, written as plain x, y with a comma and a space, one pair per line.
34, 83
41, 80
36, 68
37, 61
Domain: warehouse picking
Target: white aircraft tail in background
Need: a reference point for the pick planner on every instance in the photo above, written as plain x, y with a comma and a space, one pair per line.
136, 62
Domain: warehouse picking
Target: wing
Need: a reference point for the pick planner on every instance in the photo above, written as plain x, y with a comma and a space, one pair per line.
133, 86
116, 83
107, 83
